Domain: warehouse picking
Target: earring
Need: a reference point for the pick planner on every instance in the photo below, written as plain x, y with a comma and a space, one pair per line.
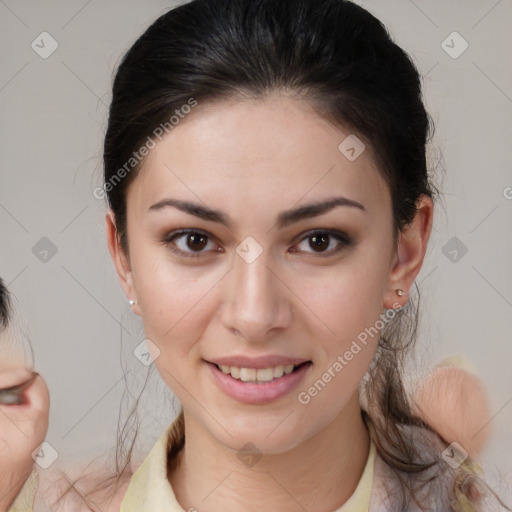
399, 292
132, 302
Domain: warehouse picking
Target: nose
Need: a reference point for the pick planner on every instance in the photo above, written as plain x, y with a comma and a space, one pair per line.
257, 300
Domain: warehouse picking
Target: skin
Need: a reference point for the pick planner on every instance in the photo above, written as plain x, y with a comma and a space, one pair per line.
22, 429
253, 159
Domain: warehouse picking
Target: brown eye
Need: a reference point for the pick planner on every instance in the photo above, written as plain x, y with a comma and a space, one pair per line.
192, 242
196, 241
319, 241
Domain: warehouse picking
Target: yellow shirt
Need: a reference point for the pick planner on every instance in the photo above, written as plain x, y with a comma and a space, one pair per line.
25, 500
150, 491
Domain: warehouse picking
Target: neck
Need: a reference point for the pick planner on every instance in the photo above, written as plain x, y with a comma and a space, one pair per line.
318, 474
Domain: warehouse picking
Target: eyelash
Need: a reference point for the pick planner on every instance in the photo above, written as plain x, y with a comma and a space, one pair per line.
343, 238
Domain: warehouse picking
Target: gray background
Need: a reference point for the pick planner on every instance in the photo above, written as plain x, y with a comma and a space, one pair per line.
82, 330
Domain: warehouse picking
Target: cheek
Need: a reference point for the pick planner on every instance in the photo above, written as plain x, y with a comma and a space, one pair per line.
172, 299
348, 300
350, 308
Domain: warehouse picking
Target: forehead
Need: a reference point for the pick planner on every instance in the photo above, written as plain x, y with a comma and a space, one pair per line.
275, 151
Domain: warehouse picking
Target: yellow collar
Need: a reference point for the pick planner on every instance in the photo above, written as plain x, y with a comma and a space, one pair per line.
150, 491
24, 502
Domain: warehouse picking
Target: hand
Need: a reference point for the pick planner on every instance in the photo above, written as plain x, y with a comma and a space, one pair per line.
23, 427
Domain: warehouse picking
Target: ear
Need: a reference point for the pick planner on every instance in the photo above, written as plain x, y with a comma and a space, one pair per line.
120, 259
410, 252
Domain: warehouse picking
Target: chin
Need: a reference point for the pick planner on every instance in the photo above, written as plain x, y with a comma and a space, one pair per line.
270, 438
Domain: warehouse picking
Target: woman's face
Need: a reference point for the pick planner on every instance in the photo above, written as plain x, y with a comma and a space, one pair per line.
260, 284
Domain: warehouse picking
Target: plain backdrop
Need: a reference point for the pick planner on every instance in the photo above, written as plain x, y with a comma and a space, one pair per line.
54, 255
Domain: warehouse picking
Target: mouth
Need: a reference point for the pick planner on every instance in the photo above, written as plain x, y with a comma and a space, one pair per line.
258, 386
260, 375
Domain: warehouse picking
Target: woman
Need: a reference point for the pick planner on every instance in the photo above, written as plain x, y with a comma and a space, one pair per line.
270, 208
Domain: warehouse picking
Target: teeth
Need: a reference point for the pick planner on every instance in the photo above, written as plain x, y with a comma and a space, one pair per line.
288, 368
278, 371
247, 374
265, 375
254, 375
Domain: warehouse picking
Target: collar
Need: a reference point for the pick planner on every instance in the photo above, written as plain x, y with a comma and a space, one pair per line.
150, 491
24, 501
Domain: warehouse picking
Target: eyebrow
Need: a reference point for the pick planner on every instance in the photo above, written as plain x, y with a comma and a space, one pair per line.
284, 218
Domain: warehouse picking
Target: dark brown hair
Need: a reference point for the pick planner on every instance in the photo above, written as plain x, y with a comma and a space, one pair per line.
5, 305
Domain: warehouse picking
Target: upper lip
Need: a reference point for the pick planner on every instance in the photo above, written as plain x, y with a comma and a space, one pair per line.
257, 362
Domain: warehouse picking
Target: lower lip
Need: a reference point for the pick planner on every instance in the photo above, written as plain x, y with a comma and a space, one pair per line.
258, 393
